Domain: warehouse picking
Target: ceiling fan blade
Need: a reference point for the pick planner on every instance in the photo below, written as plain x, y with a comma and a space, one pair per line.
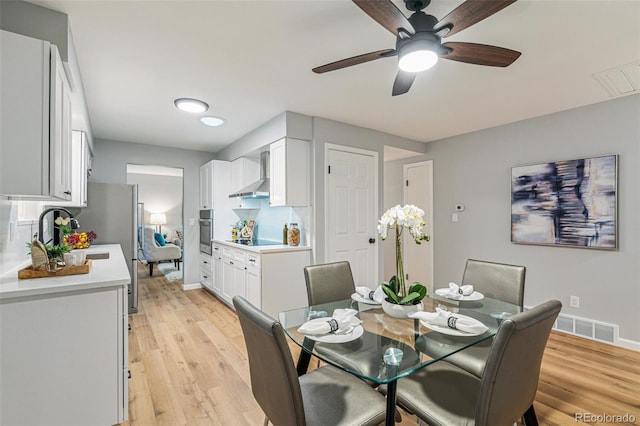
355, 60
469, 13
386, 14
403, 82
480, 54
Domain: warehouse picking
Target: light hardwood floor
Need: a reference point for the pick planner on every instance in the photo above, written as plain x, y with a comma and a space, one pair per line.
189, 367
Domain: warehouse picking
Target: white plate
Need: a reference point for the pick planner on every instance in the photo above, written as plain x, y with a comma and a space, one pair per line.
359, 298
444, 292
450, 331
337, 338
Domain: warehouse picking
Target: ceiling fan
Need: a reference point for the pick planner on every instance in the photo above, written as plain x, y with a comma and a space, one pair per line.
418, 38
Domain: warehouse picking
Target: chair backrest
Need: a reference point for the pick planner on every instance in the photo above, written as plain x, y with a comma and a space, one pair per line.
510, 379
274, 380
496, 280
329, 282
149, 242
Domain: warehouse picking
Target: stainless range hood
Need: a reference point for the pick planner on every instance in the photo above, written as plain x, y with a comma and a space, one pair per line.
259, 188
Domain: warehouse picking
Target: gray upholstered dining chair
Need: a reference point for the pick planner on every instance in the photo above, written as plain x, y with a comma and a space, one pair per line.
445, 395
325, 396
497, 281
329, 282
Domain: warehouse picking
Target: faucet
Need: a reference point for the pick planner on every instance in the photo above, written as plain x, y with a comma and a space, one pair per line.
73, 222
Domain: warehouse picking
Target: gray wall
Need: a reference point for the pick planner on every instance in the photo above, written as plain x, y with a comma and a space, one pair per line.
110, 165
475, 170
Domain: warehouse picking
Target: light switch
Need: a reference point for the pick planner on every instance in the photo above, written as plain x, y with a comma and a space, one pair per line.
192, 221
454, 217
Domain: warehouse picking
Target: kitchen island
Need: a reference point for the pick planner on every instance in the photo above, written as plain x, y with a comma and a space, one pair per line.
63, 345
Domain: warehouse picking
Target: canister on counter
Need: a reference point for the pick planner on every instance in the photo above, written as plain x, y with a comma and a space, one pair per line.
293, 235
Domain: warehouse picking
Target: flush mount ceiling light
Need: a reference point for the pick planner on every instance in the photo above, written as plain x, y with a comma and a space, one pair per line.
191, 105
212, 121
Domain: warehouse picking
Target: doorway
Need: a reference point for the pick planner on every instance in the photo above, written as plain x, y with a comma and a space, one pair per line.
418, 190
160, 213
352, 210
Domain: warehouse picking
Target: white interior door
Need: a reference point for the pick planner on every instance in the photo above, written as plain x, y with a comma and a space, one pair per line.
351, 211
418, 259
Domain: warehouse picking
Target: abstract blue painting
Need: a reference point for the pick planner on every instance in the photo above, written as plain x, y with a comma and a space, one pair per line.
566, 203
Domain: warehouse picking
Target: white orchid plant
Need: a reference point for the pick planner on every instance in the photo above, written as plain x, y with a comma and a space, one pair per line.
400, 218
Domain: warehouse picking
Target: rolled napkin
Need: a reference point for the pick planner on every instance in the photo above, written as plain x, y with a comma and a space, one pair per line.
376, 295
456, 291
447, 319
343, 321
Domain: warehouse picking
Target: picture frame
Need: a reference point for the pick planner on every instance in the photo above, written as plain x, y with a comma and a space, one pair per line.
567, 203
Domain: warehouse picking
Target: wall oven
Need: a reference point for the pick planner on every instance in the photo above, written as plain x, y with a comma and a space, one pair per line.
206, 230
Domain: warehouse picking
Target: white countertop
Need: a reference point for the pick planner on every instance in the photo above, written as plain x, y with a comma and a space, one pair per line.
111, 272
275, 248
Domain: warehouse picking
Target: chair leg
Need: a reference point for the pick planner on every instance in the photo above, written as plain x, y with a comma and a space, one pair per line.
530, 418
266, 421
150, 269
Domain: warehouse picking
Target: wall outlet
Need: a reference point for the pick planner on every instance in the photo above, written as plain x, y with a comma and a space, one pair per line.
574, 301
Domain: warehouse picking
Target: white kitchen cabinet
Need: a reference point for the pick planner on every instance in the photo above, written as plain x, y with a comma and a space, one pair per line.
206, 271
217, 270
289, 168
253, 277
243, 172
271, 279
206, 186
35, 111
80, 155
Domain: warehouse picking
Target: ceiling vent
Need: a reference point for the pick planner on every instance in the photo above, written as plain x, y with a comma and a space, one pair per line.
621, 81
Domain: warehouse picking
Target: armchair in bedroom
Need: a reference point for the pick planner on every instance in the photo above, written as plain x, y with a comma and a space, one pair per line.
155, 252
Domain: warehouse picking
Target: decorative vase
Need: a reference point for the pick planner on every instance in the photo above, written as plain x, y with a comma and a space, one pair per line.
400, 311
400, 265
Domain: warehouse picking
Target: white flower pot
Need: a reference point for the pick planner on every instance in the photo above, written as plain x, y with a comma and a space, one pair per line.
400, 311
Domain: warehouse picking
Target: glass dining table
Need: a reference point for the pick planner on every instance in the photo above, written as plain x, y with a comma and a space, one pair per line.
384, 349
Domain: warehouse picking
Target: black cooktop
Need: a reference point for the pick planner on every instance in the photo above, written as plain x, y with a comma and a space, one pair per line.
255, 242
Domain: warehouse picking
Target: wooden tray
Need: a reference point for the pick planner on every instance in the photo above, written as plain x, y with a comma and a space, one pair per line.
29, 272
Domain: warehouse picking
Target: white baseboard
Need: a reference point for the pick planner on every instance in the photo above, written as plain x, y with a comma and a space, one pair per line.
629, 344
193, 286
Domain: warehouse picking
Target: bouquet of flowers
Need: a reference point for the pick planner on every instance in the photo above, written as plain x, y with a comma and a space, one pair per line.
80, 240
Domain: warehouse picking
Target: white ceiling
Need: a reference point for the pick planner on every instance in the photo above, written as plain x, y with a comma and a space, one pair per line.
251, 60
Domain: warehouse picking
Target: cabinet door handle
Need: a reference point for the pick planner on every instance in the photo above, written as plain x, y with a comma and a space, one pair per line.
205, 276
67, 192
129, 374
204, 261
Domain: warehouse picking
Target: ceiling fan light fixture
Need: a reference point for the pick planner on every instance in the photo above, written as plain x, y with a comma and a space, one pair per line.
417, 59
212, 121
191, 105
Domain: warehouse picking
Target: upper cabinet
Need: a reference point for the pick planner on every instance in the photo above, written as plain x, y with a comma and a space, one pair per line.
206, 186
289, 167
35, 117
80, 159
244, 171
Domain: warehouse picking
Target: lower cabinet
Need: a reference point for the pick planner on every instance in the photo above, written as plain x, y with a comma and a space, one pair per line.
63, 358
206, 271
271, 280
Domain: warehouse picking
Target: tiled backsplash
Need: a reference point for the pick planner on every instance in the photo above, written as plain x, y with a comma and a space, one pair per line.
14, 236
270, 221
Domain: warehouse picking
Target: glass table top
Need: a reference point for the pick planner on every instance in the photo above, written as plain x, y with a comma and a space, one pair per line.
391, 348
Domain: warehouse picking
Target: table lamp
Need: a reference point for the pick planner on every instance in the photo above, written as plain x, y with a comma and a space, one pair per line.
158, 219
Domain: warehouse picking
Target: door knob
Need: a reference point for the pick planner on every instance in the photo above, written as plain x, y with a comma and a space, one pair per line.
372, 240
